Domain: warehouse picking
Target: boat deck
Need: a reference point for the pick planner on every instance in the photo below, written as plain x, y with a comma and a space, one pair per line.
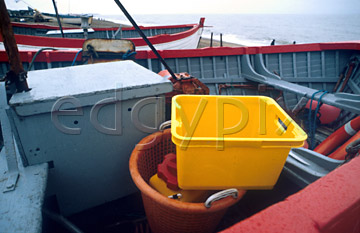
303, 69
128, 215
29, 195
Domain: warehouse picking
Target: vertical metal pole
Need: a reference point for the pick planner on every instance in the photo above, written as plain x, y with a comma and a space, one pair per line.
85, 25
117, 32
199, 42
58, 19
221, 42
12, 49
211, 40
85, 33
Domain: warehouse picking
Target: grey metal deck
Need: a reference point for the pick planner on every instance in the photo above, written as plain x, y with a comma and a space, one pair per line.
20, 210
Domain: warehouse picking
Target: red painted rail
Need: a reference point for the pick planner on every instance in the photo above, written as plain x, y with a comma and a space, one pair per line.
226, 51
215, 51
331, 205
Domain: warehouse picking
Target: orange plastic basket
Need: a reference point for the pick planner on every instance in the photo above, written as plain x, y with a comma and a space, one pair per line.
165, 214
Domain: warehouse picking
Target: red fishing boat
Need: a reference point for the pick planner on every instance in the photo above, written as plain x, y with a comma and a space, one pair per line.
37, 36
64, 144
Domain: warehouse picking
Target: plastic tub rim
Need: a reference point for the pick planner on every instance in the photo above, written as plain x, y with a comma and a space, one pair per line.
300, 137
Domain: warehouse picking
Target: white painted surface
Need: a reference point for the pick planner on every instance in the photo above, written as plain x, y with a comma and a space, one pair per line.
23, 47
86, 79
349, 130
66, 31
190, 42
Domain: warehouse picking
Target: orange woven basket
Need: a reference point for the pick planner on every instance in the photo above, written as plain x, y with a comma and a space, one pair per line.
165, 214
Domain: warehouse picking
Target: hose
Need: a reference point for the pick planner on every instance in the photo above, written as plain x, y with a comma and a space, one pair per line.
77, 54
36, 54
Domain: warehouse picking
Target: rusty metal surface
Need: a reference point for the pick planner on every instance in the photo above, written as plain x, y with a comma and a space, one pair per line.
12, 49
107, 45
9, 39
105, 50
184, 84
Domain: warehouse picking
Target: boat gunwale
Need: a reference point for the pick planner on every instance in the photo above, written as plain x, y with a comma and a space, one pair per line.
251, 50
77, 43
63, 55
124, 27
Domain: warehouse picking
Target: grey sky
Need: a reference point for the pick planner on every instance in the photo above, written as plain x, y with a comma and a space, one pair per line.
195, 6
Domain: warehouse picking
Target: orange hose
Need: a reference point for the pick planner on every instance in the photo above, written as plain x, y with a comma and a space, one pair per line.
340, 152
339, 137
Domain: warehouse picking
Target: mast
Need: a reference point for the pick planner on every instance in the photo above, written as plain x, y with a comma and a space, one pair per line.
58, 18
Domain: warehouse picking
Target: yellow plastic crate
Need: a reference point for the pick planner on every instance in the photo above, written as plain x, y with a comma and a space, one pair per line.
231, 141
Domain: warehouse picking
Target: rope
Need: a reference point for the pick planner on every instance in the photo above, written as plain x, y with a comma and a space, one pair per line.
77, 54
92, 51
353, 150
312, 124
128, 54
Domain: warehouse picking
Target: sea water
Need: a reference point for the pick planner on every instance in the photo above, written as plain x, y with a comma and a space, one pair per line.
253, 30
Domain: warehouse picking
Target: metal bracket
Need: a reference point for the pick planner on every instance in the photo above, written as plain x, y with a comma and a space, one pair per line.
16, 82
9, 143
11, 181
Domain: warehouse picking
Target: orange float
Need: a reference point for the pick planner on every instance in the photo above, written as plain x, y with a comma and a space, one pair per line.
328, 113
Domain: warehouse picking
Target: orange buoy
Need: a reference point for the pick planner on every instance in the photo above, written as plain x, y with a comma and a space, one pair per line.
339, 137
340, 152
165, 74
328, 113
